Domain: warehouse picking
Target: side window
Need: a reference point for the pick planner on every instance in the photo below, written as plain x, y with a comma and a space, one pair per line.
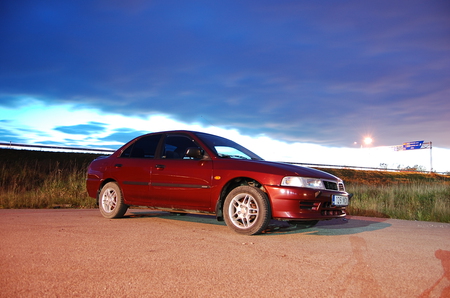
175, 146
143, 148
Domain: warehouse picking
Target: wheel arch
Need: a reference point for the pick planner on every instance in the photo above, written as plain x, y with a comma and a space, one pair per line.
232, 184
103, 183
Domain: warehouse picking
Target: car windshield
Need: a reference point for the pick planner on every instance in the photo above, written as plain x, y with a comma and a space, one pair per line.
225, 148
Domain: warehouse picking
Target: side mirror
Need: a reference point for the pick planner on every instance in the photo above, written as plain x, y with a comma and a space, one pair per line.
194, 152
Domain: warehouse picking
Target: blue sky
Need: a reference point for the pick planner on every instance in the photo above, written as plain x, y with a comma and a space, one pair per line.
303, 74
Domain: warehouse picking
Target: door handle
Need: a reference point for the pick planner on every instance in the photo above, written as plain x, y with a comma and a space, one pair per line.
118, 165
160, 167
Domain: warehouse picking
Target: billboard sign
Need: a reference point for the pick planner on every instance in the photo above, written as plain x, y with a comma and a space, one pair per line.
413, 145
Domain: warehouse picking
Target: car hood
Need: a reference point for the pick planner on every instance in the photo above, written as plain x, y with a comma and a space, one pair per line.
299, 170
276, 168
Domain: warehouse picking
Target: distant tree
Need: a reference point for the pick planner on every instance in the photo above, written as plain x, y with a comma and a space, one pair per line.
415, 168
421, 168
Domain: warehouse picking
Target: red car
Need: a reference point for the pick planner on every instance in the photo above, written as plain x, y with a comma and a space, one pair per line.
195, 172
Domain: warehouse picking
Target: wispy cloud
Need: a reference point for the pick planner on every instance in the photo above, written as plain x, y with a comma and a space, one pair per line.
83, 129
123, 135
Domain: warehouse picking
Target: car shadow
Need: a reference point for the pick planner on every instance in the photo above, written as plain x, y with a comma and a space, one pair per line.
335, 227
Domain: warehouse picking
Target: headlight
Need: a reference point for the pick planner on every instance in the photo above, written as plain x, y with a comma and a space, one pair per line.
302, 182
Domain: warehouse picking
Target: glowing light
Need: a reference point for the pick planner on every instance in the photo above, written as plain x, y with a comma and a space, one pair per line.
368, 140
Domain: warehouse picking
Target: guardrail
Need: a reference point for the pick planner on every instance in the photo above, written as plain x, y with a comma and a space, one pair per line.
56, 148
110, 151
342, 167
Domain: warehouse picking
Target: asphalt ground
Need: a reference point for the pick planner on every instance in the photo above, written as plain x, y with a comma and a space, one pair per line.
78, 253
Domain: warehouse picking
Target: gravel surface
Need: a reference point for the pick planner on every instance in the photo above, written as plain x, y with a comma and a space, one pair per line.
78, 253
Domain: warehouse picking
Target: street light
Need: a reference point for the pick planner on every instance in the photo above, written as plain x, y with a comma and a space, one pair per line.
368, 140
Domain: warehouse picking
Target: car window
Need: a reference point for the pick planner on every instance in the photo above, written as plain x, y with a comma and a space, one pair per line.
144, 147
175, 146
225, 148
230, 152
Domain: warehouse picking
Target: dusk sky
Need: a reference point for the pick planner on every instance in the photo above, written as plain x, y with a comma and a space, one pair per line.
302, 81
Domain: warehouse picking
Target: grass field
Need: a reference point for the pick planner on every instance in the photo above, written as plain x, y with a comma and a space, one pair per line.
401, 195
37, 179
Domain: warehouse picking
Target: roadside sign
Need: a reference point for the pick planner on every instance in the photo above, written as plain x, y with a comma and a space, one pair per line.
413, 145
416, 145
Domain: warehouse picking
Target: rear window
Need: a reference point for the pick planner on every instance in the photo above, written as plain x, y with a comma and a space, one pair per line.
144, 147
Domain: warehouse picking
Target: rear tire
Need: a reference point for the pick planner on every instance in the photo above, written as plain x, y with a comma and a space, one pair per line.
111, 203
246, 210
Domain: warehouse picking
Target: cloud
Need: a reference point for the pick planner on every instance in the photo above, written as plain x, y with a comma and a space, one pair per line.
7, 136
83, 129
122, 135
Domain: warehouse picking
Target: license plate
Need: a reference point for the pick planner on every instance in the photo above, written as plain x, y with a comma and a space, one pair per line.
337, 200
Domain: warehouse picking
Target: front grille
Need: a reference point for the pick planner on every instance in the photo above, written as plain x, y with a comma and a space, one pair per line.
309, 205
328, 209
330, 185
332, 212
325, 208
333, 185
326, 205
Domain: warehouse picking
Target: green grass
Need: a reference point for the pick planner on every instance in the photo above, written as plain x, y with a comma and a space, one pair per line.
401, 195
412, 201
37, 179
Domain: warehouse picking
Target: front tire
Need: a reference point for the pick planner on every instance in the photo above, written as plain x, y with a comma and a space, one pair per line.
111, 203
247, 210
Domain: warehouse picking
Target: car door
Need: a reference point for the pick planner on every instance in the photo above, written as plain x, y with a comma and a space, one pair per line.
179, 181
133, 170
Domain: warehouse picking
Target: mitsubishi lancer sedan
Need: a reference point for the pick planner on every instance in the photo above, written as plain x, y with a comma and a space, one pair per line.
195, 172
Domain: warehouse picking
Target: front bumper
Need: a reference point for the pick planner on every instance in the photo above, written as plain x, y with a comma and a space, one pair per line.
297, 203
